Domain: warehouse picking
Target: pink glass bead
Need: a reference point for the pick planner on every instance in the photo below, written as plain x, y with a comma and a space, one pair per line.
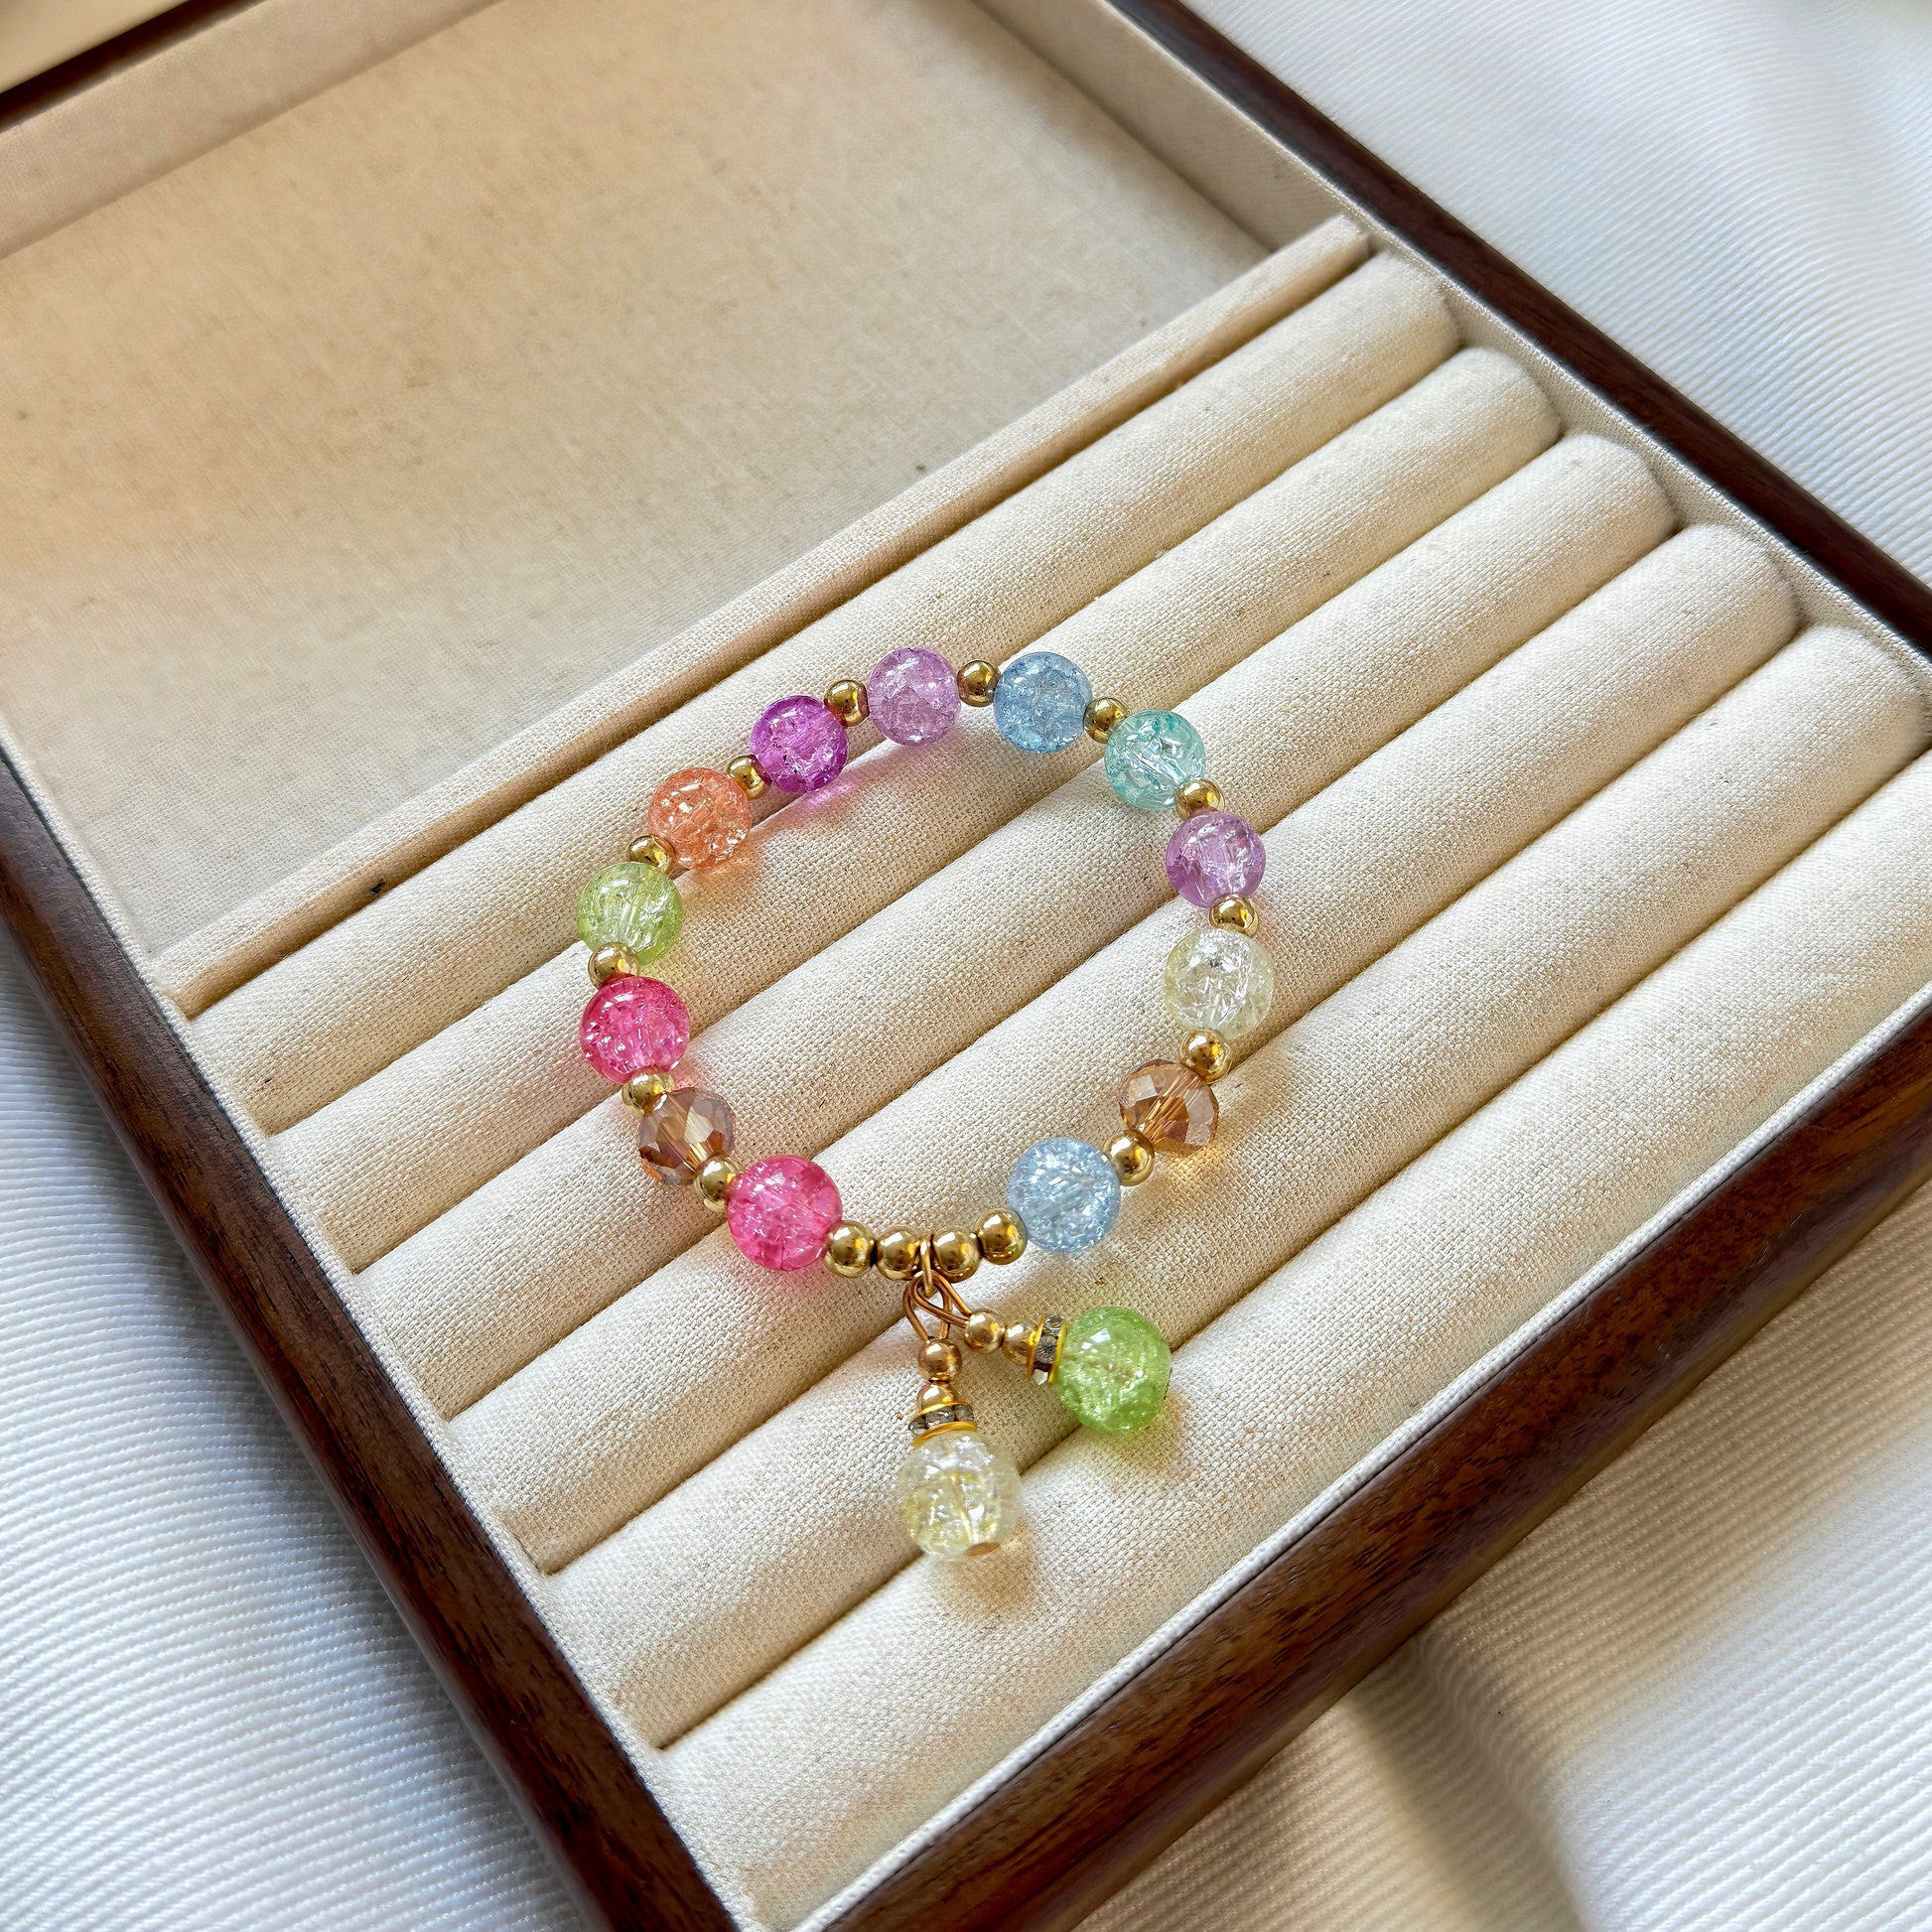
914, 697
800, 743
780, 1209
631, 1025
1214, 854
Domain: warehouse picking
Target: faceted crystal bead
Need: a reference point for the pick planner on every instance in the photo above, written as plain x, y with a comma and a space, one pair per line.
958, 1494
1067, 1193
1113, 1370
1041, 702
630, 1025
701, 816
1222, 981
914, 696
780, 1209
632, 906
1213, 855
1151, 756
1171, 1108
800, 743
684, 1131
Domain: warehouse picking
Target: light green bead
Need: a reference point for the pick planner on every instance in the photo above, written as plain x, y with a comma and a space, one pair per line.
1113, 1370
1151, 756
629, 905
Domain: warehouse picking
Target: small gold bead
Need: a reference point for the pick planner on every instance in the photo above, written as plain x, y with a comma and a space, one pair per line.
939, 1360
1234, 913
609, 961
1102, 715
643, 1091
650, 850
984, 1331
1198, 795
1003, 1236
976, 682
1204, 1053
898, 1255
748, 774
955, 1254
714, 1184
850, 1249
1133, 1159
848, 703
1019, 1341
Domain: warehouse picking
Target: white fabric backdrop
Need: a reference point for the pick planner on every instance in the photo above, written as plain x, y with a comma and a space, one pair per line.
1699, 1697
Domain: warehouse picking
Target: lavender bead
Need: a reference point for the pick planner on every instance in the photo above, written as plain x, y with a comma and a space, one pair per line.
1214, 854
800, 743
914, 696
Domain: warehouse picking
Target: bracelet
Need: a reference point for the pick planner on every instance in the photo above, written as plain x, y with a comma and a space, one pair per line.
1110, 1366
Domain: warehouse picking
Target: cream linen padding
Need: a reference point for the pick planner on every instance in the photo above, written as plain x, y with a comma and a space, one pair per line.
380, 1163
599, 1425
832, 1758
542, 1247
693, 1597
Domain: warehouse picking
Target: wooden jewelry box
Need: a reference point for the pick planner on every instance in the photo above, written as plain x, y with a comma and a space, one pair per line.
430, 424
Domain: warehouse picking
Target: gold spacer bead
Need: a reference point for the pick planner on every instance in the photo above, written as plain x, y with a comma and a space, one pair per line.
898, 1255
939, 1360
1100, 717
848, 703
643, 1091
976, 682
1205, 1054
1198, 795
1234, 913
608, 963
1019, 1342
748, 774
936, 1394
955, 1254
1132, 1158
650, 850
1003, 1236
850, 1249
714, 1184
984, 1331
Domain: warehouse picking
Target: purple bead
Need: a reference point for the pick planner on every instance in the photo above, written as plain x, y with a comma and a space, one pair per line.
914, 696
1214, 854
800, 743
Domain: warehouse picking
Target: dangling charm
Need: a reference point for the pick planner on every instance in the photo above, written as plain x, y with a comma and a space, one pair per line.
957, 1493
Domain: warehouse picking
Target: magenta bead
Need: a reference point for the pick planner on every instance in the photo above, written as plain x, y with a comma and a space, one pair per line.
800, 743
914, 698
780, 1209
1214, 854
631, 1025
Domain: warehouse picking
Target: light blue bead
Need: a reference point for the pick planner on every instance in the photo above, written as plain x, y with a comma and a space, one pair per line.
1067, 1193
1151, 756
1041, 702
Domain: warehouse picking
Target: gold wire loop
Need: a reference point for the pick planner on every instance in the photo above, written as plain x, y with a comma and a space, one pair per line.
929, 1293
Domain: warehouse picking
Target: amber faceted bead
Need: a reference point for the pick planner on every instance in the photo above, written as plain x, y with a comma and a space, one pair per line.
1172, 1110
684, 1131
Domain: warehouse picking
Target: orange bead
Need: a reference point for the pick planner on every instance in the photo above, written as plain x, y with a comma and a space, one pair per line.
701, 816
1172, 1110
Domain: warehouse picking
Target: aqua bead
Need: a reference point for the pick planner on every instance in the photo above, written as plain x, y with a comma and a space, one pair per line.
1067, 1193
1041, 702
1151, 756
1113, 1369
631, 906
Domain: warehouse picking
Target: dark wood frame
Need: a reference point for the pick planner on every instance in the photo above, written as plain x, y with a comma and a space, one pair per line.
1105, 1798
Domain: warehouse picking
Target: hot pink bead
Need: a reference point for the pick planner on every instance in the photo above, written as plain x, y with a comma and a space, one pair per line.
780, 1210
1214, 854
631, 1025
800, 743
914, 697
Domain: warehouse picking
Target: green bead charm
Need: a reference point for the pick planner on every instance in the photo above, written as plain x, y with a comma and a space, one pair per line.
1113, 1370
632, 906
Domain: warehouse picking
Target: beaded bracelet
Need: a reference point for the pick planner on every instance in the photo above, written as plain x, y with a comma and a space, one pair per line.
1109, 1367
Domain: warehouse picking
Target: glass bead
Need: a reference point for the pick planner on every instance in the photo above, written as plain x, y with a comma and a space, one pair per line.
800, 743
632, 906
958, 1494
631, 1025
1041, 702
1219, 980
684, 1131
1113, 1370
1213, 855
781, 1209
914, 696
1067, 1193
1171, 1108
1151, 756
701, 816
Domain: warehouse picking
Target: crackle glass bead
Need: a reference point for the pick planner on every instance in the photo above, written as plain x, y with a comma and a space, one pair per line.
1041, 702
1113, 1370
1151, 756
958, 1494
701, 816
1067, 1193
1222, 981
632, 906
1213, 855
800, 743
684, 1131
780, 1209
914, 696
1169, 1107
630, 1025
